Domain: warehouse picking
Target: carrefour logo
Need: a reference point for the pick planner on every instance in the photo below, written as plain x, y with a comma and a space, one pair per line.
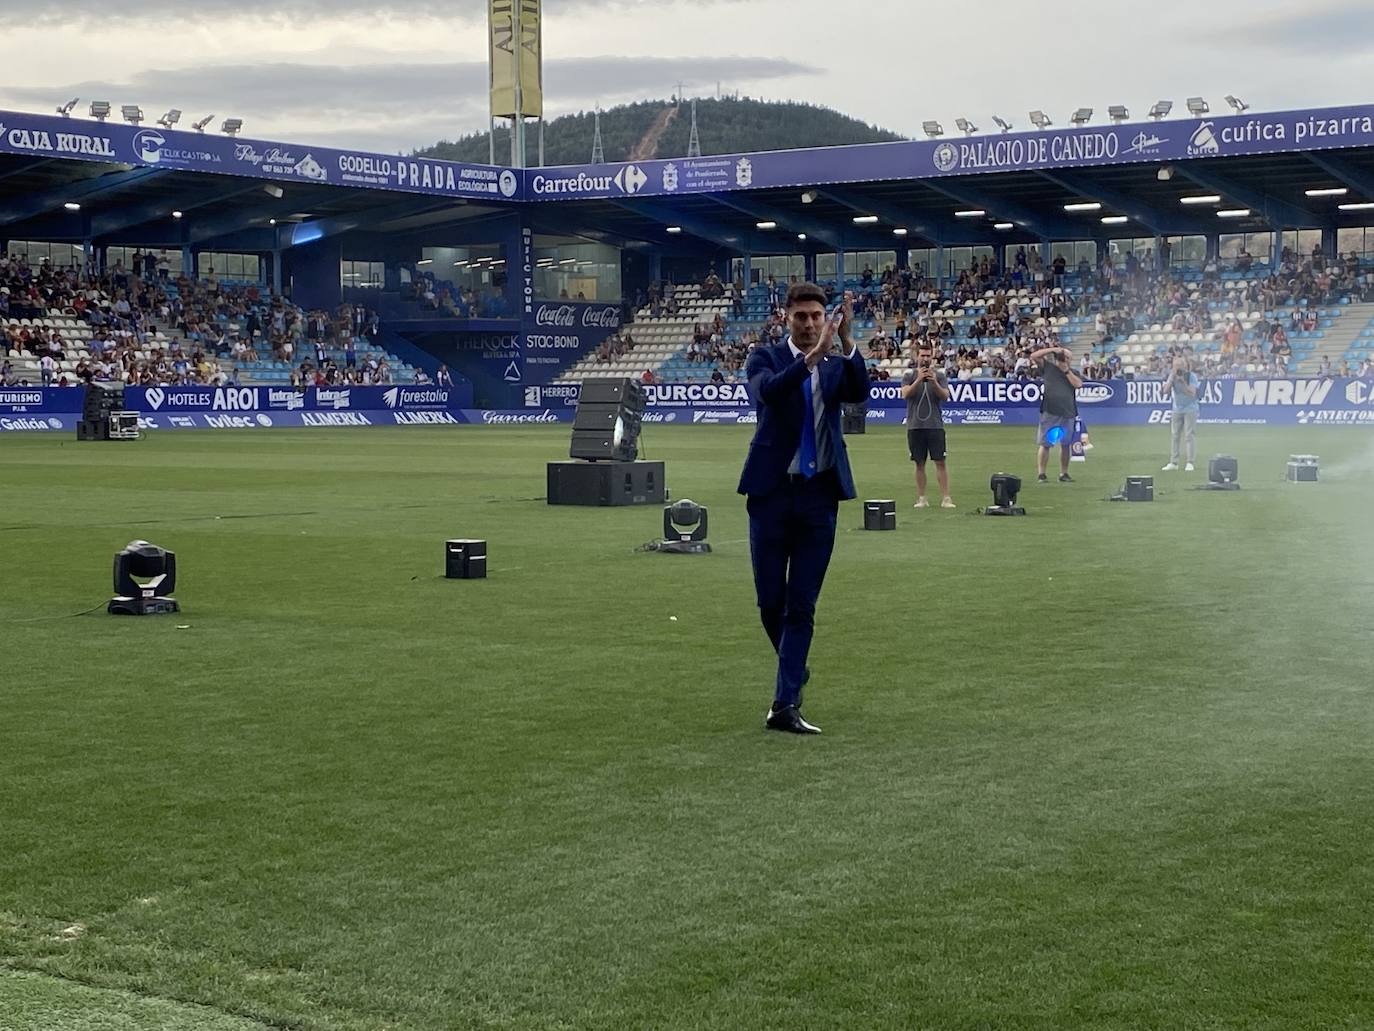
148, 145
631, 179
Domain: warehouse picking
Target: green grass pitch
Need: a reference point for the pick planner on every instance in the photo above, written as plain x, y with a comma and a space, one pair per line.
1108, 766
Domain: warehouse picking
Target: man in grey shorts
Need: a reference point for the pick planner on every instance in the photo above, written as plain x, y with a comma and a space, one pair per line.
925, 388
1058, 408
1183, 385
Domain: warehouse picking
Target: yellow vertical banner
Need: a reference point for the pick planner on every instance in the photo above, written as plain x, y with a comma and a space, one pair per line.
515, 54
531, 60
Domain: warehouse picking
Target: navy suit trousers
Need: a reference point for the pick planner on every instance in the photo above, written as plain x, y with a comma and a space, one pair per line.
791, 536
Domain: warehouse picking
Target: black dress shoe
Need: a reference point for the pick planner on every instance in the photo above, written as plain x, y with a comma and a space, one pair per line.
789, 719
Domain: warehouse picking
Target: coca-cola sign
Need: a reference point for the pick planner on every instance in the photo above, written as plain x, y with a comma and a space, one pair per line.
594, 316
607, 317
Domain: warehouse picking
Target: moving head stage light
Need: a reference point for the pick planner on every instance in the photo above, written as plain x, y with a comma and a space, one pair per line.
1005, 488
157, 568
1223, 473
684, 529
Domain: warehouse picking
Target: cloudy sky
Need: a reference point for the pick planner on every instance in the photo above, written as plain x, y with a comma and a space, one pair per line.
358, 74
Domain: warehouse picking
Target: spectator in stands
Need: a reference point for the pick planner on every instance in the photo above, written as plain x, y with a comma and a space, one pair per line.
1325, 368
647, 377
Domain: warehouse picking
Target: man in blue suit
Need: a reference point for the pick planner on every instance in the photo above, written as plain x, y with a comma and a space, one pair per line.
795, 476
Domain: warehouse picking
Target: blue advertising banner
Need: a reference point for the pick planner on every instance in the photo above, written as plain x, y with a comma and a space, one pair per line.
557, 333
50, 136
1176, 140
1272, 402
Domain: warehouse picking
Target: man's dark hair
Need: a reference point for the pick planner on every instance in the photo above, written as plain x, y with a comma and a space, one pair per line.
799, 293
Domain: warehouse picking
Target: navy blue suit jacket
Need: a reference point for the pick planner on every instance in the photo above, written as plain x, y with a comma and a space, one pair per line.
775, 385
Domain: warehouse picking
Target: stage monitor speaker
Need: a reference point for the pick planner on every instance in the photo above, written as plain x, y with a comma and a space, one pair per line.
853, 418
607, 423
601, 484
465, 559
1302, 468
880, 515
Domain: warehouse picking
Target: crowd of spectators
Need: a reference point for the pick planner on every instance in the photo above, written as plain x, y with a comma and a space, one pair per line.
144, 327
905, 307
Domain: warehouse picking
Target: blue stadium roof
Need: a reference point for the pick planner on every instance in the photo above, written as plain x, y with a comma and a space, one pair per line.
128, 179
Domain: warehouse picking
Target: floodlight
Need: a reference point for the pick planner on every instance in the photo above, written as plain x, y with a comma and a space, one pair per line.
72, 205
1002, 225
200, 126
100, 109
1198, 107
765, 225
899, 231
965, 126
1160, 109
1114, 220
970, 213
1087, 205
684, 528
1002, 123
1082, 116
1361, 206
809, 196
1040, 120
66, 109
272, 190
1234, 213
176, 214
801, 236
170, 118
144, 578
1237, 105
1005, 488
1201, 198
231, 126
673, 229
1327, 191
133, 114
864, 220
933, 129
1165, 173
1118, 113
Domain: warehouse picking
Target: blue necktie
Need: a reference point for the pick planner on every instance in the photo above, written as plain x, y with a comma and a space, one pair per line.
808, 440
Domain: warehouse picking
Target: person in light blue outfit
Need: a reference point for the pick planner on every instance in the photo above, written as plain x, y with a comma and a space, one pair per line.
1184, 386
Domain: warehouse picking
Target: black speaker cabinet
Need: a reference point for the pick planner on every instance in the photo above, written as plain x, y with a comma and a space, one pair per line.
465, 559
1140, 488
629, 392
880, 515
853, 418
606, 483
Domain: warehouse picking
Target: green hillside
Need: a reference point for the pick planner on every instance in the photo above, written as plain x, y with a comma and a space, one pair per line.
725, 126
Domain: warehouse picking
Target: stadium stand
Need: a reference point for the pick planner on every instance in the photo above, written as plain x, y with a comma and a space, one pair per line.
1303, 317
62, 327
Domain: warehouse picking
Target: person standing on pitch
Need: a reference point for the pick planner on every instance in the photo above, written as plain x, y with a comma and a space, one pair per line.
1184, 386
1058, 408
925, 388
795, 476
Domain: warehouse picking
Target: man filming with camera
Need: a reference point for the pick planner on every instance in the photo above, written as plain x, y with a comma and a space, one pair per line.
925, 388
1058, 408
